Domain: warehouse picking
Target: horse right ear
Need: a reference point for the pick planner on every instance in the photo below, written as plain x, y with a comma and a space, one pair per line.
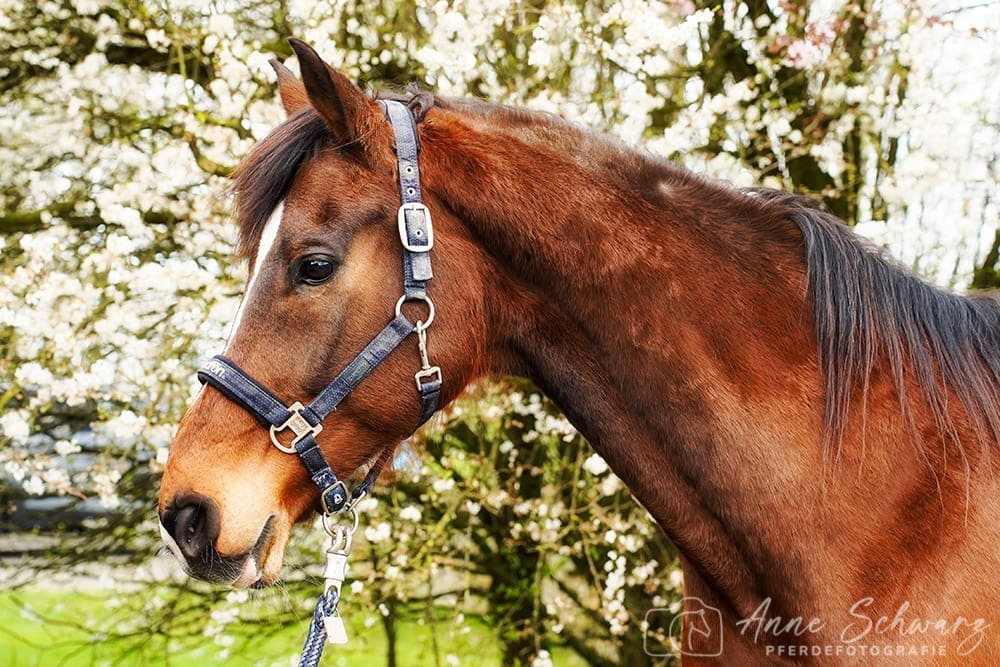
349, 113
293, 93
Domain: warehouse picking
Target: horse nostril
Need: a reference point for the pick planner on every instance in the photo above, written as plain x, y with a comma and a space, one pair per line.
193, 522
190, 520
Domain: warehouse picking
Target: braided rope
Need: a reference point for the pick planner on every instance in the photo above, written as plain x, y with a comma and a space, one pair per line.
312, 650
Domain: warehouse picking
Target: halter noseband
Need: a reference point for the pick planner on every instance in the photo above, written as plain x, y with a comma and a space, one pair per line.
305, 422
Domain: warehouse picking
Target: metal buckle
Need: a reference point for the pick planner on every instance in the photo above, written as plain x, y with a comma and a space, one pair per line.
422, 374
405, 237
299, 426
322, 500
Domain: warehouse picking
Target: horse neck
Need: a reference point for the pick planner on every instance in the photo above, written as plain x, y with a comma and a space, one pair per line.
669, 319
653, 322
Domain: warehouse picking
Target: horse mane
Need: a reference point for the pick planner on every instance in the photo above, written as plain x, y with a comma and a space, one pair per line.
870, 314
873, 316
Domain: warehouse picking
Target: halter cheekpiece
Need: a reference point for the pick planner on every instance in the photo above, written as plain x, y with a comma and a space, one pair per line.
305, 422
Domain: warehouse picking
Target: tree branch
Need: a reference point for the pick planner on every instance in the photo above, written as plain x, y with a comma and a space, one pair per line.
987, 276
33, 221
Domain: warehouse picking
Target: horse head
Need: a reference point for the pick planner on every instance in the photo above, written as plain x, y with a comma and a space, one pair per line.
318, 204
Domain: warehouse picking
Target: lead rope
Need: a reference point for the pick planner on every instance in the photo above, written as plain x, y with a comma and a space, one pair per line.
327, 625
312, 650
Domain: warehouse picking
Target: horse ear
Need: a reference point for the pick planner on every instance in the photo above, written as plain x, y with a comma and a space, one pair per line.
349, 113
293, 93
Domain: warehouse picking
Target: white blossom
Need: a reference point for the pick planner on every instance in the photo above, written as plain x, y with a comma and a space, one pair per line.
14, 425
410, 513
379, 533
34, 485
595, 465
542, 659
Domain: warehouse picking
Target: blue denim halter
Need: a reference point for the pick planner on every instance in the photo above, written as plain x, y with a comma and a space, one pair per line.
305, 422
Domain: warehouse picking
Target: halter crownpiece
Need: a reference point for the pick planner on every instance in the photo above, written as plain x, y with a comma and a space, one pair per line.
304, 422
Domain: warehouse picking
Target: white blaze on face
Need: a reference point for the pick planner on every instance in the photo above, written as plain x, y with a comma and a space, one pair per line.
267, 240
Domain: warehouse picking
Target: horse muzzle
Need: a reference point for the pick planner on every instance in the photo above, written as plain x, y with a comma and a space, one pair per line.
190, 527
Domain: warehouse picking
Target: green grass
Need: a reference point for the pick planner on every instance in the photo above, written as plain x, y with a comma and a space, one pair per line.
43, 627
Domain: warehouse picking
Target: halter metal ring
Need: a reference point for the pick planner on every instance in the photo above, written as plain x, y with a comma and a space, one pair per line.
417, 297
333, 530
299, 426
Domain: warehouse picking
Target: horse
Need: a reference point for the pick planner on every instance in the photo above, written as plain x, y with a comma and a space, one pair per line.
811, 425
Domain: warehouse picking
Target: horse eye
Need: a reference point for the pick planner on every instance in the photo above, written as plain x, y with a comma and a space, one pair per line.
314, 270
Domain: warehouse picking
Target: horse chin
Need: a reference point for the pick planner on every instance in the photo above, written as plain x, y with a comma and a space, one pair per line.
249, 576
262, 566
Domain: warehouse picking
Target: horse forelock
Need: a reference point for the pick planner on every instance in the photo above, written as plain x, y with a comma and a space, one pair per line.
264, 177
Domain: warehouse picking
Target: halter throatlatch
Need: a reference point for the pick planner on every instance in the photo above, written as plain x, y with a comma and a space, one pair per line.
298, 424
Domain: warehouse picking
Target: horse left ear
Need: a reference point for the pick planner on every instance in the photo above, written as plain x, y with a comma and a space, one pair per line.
293, 93
348, 112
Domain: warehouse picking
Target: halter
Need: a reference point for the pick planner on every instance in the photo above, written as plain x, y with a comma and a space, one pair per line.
305, 422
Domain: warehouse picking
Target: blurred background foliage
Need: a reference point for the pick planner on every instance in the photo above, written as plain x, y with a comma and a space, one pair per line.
505, 539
